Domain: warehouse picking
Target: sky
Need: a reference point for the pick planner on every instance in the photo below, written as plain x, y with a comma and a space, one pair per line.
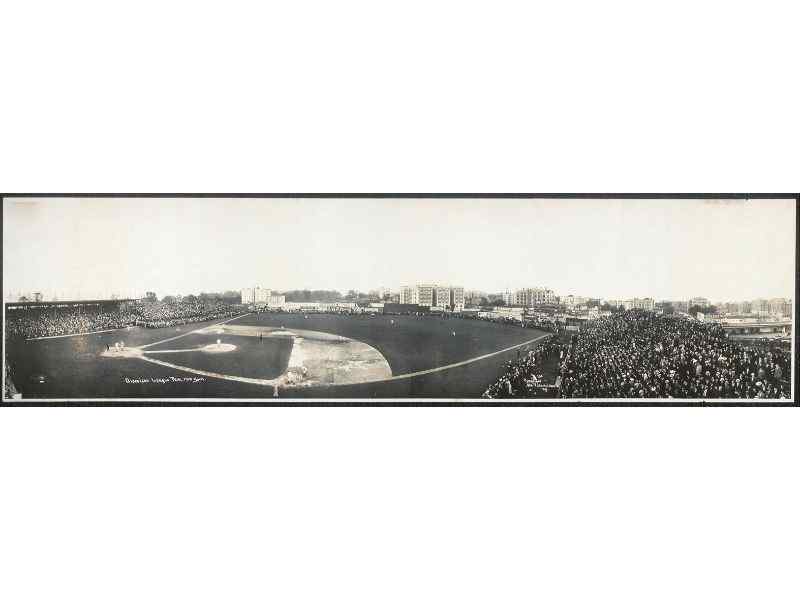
664, 249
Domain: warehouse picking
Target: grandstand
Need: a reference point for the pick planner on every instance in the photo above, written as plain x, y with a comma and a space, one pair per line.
120, 304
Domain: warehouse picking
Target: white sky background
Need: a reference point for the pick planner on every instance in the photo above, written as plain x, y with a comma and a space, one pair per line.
666, 249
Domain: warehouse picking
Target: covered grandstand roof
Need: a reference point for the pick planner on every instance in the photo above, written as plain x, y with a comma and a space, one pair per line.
57, 303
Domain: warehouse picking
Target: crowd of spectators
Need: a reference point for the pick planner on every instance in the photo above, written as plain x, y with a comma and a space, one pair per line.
637, 354
162, 314
62, 321
47, 322
524, 377
545, 323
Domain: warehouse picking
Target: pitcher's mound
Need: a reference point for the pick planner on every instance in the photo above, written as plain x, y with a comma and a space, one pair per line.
217, 348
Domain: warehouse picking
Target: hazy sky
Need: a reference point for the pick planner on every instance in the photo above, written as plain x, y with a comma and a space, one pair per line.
666, 249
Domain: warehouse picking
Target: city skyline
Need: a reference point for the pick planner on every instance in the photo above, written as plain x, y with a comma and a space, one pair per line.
666, 250
48, 295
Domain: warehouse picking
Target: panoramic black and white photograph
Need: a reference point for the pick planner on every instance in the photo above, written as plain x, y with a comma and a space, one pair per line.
490, 299
434, 300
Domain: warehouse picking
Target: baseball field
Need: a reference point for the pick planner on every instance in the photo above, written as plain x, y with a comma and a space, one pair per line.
274, 356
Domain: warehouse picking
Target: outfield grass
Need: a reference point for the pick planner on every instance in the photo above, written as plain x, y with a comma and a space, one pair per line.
410, 343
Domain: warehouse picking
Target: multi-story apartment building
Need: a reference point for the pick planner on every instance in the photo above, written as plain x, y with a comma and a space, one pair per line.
745, 307
409, 294
256, 295
428, 294
442, 298
248, 296
276, 301
457, 298
533, 296
760, 307
780, 307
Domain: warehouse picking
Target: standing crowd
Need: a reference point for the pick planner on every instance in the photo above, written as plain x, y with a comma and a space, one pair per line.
637, 354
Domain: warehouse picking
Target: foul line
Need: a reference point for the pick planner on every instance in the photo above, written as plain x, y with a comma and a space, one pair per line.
66, 335
450, 366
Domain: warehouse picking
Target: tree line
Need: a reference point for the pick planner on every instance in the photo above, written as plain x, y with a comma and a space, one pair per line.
227, 297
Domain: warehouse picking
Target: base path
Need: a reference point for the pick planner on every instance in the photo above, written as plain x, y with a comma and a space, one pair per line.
271, 382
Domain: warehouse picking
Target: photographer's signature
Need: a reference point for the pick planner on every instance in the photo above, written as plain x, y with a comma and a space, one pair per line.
164, 380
